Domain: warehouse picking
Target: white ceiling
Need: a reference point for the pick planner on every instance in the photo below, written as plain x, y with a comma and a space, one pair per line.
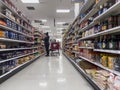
46, 9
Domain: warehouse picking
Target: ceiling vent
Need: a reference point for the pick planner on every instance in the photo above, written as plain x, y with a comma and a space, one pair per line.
37, 21
30, 8
41, 23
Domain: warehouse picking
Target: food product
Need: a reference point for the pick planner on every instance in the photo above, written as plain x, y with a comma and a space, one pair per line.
2, 33
116, 83
111, 61
2, 46
104, 60
110, 81
2, 22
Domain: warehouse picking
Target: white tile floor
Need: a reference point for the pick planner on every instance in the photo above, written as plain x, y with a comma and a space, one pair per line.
47, 73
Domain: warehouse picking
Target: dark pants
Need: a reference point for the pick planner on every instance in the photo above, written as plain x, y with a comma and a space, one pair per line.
47, 48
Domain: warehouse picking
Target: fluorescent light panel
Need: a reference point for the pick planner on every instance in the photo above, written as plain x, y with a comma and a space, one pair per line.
43, 20
30, 1
45, 26
60, 22
62, 10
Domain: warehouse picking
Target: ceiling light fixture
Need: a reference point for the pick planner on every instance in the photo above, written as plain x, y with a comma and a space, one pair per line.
43, 20
60, 22
62, 10
30, 1
45, 26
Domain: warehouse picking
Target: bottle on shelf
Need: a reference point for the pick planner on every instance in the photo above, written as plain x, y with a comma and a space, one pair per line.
105, 43
104, 25
118, 42
104, 60
100, 43
99, 27
101, 10
105, 6
96, 43
113, 42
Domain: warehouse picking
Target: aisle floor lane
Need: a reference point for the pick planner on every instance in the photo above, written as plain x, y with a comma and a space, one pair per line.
47, 73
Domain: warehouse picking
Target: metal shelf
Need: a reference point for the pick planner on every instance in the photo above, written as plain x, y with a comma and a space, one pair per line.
112, 10
90, 80
69, 43
12, 40
94, 10
38, 47
109, 31
87, 27
13, 30
14, 12
37, 34
68, 50
108, 51
86, 47
76, 52
36, 37
83, 9
86, 6
2, 61
13, 49
74, 44
101, 66
16, 68
2, 15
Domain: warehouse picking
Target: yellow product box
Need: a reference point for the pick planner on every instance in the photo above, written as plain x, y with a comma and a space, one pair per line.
104, 60
76, 48
20, 61
26, 58
111, 61
2, 33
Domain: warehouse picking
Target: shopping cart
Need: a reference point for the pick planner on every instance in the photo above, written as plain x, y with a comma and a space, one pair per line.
54, 48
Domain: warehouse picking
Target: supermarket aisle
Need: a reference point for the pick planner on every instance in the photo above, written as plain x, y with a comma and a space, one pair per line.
47, 73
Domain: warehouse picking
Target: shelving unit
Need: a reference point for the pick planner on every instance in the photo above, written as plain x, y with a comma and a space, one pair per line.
13, 49
14, 12
16, 69
86, 47
101, 66
10, 29
91, 81
17, 41
109, 31
95, 35
17, 57
108, 51
17, 46
38, 41
4, 16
